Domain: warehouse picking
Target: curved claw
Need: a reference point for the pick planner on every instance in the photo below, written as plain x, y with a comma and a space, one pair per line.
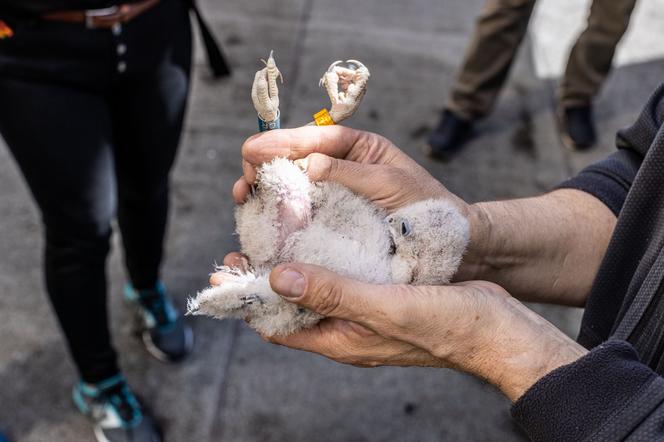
333, 65
345, 85
359, 64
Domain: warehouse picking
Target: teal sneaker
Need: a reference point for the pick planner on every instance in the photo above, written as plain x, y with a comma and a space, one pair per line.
165, 334
116, 414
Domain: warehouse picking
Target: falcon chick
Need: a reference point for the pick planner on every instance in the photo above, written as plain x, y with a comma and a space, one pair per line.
291, 219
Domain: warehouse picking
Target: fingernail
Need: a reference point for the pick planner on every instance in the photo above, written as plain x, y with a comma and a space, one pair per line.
290, 284
302, 164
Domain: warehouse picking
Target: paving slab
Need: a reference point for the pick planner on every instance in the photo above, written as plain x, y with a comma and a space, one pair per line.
277, 394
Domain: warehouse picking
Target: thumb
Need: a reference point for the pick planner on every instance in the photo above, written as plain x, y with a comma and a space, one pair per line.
328, 293
373, 181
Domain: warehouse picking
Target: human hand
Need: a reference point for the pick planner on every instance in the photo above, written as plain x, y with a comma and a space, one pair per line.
368, 164
474, 327
345, 341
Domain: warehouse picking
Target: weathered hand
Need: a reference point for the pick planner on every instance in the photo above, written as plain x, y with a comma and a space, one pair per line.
475, 327
345, 341
354, 344
366, 163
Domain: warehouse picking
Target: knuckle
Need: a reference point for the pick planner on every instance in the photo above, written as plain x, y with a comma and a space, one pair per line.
319, 167
328, 297
248, 146
376, 147
331, 168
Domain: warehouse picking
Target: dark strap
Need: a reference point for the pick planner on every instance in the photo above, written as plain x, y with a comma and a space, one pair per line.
216, 60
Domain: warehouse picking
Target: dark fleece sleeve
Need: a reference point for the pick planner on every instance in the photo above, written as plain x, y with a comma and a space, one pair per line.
608, 180
606, 395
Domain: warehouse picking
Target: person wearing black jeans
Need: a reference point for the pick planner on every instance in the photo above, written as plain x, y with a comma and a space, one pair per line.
93, 112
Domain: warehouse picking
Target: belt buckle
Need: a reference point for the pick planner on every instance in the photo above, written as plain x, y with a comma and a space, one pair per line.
91, 14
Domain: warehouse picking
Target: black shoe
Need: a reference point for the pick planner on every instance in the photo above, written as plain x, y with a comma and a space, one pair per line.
165, 334
116, 414
448, 137
577, 127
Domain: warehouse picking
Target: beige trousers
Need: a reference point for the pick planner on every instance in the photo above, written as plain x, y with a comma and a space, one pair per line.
500, 28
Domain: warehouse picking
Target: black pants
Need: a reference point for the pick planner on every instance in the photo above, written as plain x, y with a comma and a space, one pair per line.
93, 119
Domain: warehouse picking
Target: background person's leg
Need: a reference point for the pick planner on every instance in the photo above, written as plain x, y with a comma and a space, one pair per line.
500, 28
148, 112
148, 107
60, 138
590, 59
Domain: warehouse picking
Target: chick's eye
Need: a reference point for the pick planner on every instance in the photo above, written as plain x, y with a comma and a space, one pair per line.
405, 228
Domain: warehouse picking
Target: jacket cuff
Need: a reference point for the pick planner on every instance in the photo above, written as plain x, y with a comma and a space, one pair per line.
574, 401
608, 180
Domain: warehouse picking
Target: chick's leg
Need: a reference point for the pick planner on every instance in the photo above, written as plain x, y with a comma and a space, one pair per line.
249, 296
237, 295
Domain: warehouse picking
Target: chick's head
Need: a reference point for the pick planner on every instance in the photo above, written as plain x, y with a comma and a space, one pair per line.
428, 241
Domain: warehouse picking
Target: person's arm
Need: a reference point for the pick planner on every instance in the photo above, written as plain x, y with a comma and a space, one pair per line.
475, 327
561, 391
549, 248
542, 249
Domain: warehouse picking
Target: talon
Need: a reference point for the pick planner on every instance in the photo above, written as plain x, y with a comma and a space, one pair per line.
333, 65
270, 58
359, 64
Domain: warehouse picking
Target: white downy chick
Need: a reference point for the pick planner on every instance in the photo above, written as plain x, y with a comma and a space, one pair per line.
290, 219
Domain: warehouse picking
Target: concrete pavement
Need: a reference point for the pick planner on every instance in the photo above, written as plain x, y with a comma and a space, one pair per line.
235, 387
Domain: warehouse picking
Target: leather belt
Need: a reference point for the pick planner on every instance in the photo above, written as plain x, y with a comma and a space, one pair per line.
105, 18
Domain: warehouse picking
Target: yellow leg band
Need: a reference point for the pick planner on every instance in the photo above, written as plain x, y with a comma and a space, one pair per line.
322, 118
